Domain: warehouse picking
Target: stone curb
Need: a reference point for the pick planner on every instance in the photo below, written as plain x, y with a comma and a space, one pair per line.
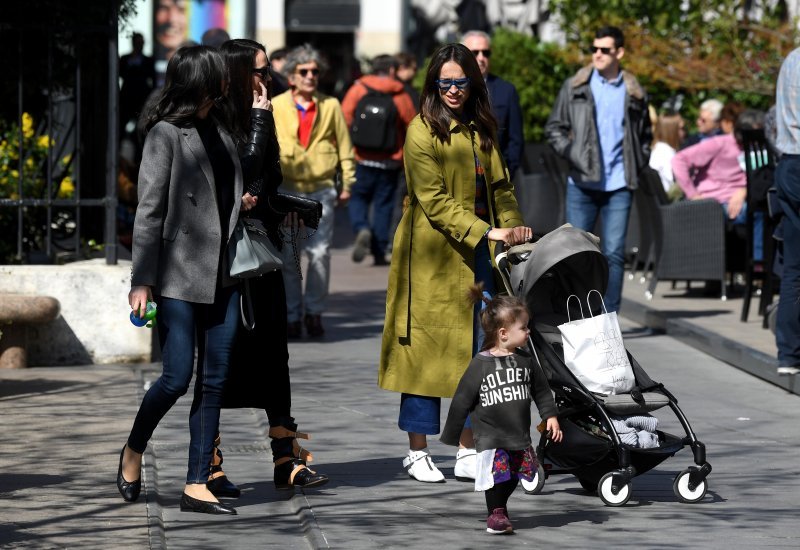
720, 347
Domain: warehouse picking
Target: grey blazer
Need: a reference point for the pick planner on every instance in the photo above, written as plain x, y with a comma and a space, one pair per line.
176, 234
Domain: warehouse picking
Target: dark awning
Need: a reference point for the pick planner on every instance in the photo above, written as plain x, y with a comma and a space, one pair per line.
323, 15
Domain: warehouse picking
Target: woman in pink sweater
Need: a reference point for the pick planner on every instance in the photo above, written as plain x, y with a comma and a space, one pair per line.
714, 169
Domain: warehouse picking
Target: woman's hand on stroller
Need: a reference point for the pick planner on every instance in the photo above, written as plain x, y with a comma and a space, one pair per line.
511, 235
554, 430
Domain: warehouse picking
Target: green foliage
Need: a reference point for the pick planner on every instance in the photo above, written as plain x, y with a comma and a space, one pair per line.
698, 48
537, 69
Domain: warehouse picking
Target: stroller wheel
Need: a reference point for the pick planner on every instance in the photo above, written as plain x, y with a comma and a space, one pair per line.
589, 485
534, 487
684, 492
606, 491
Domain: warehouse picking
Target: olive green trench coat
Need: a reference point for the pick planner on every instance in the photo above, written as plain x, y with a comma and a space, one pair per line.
428, 331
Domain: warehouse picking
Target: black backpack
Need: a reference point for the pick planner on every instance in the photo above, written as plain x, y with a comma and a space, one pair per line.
374, 125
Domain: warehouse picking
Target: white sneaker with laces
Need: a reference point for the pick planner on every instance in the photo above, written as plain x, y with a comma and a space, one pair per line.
419, 465
788, 371
466, 465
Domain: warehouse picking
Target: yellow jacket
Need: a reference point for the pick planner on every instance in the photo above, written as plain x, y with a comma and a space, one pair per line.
313, 168
427, 336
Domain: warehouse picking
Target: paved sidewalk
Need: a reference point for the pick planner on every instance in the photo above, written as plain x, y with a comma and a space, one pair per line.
63, 428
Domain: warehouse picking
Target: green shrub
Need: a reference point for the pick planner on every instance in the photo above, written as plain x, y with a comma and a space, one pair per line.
537, 69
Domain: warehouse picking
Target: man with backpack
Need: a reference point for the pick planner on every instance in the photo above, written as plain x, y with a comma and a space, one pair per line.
377, 110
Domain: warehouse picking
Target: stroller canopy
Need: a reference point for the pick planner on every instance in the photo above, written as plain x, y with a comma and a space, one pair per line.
565, 261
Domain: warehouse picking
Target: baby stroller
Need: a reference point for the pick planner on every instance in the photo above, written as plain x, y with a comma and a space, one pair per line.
568, 261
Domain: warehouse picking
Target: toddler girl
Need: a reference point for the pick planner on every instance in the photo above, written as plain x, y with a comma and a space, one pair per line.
497, 388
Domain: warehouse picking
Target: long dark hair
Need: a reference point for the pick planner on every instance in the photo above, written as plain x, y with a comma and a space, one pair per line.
477, 108
239, 56
194, 74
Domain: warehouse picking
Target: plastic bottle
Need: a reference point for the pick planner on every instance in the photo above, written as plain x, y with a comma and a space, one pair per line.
149, 319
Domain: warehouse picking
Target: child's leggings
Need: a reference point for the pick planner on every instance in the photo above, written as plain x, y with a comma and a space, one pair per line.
497, 496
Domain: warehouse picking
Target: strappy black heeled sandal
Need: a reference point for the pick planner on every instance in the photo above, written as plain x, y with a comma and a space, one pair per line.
219, 485
292, 471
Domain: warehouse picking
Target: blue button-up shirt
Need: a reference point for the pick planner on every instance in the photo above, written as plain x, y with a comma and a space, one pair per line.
609, 102
787, 105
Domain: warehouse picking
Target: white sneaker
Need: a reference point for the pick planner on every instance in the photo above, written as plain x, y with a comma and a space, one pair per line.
466, 465
419, 465
788, 371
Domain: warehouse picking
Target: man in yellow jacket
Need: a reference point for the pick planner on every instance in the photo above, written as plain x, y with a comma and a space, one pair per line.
314, 142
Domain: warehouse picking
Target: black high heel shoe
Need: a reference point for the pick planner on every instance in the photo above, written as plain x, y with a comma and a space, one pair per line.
220, 486
128, 489
190, 504
295, 473
291, 469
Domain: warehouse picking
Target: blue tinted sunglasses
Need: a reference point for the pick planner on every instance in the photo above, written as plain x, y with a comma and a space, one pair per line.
447, 83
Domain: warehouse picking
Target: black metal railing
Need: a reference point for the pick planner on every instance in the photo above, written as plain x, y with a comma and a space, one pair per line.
65, 166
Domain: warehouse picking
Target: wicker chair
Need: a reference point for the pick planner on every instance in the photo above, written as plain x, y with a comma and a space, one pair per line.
540, 188
688, 237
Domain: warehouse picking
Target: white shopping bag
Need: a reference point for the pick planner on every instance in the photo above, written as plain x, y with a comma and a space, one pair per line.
594, 352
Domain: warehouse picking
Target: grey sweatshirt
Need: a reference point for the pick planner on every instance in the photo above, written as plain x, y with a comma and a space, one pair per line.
497, 391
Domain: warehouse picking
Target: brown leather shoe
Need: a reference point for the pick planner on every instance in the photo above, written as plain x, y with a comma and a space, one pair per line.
314, 325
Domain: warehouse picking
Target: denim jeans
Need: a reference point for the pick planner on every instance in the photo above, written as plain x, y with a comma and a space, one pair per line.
758, 229
787, 329
420, 413
376, 186
181, 324
318, 250
583, 207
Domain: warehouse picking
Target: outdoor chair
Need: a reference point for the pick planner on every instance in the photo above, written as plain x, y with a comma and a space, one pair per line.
540, 188
641, 232
687, 237
759, 161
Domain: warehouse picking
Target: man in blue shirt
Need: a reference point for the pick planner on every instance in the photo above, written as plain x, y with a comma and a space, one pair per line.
600, 124
787, 181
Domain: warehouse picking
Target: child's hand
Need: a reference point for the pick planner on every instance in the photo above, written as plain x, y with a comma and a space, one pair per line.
556, 435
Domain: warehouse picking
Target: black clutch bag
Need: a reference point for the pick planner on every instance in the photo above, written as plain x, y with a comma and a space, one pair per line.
308, 210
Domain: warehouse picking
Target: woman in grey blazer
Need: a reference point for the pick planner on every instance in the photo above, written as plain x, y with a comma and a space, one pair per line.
190, 194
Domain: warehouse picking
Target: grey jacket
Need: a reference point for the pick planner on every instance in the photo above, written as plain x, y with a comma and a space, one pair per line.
571, 129
176, 234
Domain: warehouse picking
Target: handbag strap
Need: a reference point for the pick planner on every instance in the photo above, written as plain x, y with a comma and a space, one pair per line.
579, 305
295, 253
244, 297
590, 306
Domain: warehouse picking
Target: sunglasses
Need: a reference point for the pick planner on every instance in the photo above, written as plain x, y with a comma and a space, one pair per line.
263, 72
446, 83
604, 51
486, 53
304, 72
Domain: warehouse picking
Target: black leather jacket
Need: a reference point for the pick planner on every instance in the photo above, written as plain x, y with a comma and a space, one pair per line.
260, 159
571, 129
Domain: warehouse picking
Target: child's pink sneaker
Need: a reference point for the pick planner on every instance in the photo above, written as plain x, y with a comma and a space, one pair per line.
498, 523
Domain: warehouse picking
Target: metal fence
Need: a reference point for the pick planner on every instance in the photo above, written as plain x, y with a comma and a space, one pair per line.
58, 147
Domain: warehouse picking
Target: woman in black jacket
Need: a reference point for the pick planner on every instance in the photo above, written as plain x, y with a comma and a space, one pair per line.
259, 371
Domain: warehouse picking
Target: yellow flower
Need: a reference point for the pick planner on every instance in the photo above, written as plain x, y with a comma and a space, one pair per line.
29, 162
45, 142
67, 189
66, 159
27, 125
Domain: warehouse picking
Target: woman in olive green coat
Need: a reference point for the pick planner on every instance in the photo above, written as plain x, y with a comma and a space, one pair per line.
460, 198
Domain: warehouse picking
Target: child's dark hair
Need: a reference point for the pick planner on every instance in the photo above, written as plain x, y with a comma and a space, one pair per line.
500, 311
